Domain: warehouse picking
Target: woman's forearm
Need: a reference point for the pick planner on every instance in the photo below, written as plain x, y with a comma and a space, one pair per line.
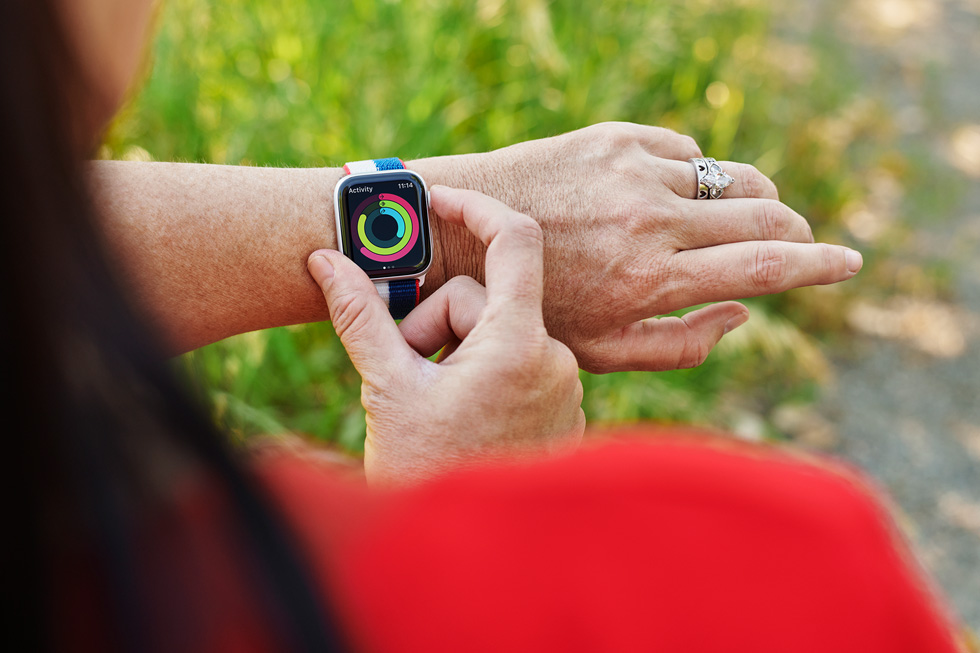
211, 251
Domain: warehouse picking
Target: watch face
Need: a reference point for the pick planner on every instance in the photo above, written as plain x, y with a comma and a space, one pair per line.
384, 223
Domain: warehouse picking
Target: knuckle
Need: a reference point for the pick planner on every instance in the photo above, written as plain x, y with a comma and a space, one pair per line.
683, 181
751, 184
527, 229
616, 134
600, 357
629, 171
462, 290
772, 222
756, 184
672, 284
635, 215
594, 362
832, 259
689, 144
530, 367
349, 314
670, 143
798, 228
658, 134
768, 269
769, 186
461, 282
693, 354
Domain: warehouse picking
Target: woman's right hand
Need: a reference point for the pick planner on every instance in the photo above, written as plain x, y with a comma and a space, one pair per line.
503, 386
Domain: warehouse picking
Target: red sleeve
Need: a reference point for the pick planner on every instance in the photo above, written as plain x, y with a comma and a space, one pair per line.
667, 546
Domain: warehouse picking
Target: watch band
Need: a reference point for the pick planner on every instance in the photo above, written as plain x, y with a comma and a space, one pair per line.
400, 295
373, 165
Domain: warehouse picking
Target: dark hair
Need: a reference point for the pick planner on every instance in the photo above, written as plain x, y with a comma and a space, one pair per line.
102, 431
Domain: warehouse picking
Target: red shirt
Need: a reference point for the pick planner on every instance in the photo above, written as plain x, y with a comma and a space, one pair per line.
669, 545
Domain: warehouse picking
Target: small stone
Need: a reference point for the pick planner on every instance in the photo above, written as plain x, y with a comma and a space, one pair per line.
719, 180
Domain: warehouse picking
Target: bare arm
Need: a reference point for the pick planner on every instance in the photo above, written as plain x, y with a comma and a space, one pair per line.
212, 251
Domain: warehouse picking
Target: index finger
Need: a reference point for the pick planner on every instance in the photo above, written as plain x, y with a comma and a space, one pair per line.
515, 244
750, 269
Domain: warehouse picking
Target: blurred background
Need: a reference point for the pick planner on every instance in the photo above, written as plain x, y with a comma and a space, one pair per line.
864, 112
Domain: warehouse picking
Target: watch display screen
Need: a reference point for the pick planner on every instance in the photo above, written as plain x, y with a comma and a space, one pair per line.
385, 224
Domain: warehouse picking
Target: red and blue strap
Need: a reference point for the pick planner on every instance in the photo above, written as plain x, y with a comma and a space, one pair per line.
401, 295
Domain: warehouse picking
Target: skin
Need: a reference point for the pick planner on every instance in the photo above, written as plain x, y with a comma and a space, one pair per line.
108, 38
605, 236
625, 241
516, 388
212, 251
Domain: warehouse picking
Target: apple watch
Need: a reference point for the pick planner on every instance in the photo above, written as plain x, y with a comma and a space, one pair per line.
382, 213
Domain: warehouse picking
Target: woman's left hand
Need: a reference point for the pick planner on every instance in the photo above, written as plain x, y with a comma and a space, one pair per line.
625, 240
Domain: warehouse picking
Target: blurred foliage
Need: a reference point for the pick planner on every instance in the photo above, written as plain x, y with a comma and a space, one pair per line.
320, 82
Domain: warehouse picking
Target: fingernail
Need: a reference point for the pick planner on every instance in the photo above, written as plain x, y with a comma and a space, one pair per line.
854, 260
320, 268
736, 322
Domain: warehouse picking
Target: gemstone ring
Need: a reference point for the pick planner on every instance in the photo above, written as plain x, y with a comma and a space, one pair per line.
712, 180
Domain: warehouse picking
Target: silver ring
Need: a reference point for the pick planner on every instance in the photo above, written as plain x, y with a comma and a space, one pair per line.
712, 180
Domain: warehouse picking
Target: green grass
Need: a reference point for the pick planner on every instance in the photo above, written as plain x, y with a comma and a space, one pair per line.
320, 82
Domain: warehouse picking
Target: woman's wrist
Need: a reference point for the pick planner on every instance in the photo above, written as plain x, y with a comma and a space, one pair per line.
457, 251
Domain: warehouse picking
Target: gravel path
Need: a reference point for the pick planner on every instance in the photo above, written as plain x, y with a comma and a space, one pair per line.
908, 416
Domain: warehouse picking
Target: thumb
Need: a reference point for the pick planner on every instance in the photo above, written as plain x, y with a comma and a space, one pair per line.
359, 316
668, 343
